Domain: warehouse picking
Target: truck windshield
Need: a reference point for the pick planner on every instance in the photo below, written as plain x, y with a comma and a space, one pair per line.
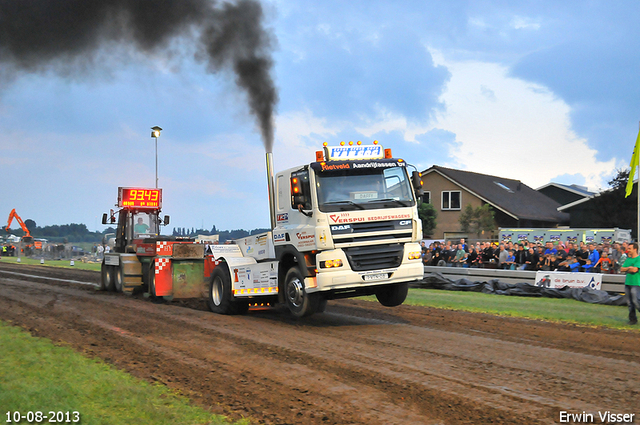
350, 190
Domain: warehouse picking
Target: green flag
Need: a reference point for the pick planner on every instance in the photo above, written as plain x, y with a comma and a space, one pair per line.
635, 158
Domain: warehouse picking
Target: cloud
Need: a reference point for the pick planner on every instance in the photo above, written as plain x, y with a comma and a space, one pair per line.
299, 135
522, 131
440, 145
350, 73
520, 22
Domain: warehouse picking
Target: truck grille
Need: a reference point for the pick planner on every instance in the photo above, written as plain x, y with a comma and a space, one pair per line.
370, 231
364, 258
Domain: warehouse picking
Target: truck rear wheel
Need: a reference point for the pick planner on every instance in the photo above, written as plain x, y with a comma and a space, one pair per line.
220, 298
106, 278
393, 295
299, 302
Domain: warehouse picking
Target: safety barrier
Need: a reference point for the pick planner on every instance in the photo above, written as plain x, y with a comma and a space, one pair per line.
610, 282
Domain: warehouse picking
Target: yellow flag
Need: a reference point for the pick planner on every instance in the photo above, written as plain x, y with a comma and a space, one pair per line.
635, 159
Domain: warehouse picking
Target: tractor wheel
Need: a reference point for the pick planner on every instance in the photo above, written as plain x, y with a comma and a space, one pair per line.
299, 302
106, 277
119, 278
393, 295
220, 298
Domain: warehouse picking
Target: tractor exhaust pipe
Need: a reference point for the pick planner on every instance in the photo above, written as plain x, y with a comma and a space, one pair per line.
272, 192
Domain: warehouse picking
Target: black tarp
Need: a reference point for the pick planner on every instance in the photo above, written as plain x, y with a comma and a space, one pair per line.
522, 289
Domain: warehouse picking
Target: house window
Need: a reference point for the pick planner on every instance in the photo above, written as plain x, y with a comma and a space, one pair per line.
426, 197
451, 200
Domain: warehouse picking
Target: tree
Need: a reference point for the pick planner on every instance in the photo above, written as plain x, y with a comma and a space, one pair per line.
620, 180
477, 220
428, 215
612, 209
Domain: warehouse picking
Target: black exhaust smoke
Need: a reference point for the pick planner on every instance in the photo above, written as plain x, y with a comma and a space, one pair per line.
69, 37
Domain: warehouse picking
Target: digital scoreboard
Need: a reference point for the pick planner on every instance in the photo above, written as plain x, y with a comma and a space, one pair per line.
137, 197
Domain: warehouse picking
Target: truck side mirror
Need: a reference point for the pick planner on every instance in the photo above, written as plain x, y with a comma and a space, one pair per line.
105, 216
416, 180
166, 220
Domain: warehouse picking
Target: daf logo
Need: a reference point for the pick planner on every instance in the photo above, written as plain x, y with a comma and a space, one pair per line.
405, 222
338, 228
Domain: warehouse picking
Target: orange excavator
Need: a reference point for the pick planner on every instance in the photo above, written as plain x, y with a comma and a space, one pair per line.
27, 239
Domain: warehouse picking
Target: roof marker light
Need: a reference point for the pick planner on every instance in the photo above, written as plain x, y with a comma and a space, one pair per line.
325, 144
341, 143
359, 142
375, 142
350, 143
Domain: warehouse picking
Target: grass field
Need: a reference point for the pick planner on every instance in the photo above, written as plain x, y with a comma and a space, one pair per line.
548, 309
36, 376
77, 264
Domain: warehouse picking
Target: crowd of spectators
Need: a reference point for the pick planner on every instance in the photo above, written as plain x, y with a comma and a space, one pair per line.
525, 255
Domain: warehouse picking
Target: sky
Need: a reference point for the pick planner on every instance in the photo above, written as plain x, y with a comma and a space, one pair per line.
540, 91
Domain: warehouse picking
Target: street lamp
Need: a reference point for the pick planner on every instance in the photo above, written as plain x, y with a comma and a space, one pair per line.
155, 133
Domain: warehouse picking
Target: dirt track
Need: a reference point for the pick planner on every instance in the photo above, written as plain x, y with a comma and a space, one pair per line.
358, 363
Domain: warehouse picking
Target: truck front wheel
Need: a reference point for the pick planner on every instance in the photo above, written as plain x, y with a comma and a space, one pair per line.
220, 298
393, 295
299, 302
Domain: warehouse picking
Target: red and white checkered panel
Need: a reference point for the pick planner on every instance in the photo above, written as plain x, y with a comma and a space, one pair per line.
163, 277
161, 264
164, 248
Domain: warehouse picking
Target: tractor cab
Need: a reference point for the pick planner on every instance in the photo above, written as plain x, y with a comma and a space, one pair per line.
138, 222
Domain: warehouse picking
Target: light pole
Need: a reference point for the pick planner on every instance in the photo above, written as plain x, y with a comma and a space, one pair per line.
155, 133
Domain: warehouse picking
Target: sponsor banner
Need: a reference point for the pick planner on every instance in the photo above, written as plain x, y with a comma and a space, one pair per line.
260, 279
346, 217
254, 244
381, 164
305, 240
225, 250
355, 152
572, 280
279, 236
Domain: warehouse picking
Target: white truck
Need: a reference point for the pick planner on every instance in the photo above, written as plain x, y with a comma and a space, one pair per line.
344, 226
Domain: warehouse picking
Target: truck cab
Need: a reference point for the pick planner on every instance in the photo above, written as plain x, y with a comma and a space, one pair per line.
345, 225
349, 223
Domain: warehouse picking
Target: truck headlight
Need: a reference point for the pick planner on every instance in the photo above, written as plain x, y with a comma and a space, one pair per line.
415, 255
328, 264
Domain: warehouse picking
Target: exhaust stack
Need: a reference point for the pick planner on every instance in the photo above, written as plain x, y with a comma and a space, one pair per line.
272, 192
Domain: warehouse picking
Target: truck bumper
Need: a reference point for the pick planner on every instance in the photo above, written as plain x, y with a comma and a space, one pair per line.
327, 281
